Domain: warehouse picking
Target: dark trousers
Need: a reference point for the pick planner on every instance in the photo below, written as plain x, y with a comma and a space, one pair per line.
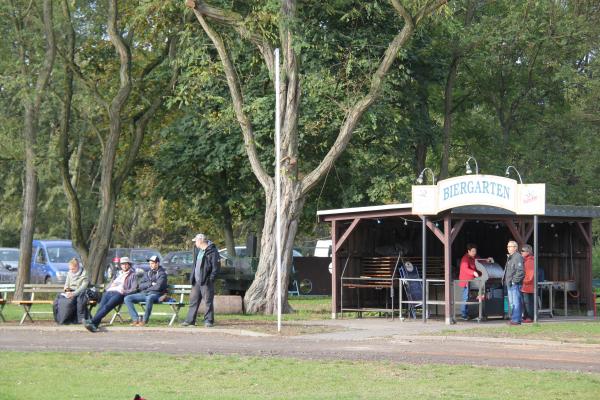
199, 292
528, 303
70, 311
109, 301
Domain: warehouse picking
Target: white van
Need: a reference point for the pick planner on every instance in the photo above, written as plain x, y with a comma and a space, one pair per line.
323, 248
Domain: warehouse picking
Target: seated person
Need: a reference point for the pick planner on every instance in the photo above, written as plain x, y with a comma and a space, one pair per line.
152, 287
70, 307
122, 284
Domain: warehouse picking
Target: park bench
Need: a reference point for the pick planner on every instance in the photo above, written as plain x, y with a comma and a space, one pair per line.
5, 289
378, 273
33, 289
175, 300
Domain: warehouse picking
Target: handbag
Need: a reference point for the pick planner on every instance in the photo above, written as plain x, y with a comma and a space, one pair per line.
93, 294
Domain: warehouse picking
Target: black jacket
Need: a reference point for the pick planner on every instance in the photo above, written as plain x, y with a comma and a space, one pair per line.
211, 263
158, 277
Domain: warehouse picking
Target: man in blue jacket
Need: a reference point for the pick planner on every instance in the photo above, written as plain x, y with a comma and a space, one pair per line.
152, 287
202, 278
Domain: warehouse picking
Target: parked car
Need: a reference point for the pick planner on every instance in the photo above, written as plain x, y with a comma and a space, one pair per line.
7, 275
179, 263
9, 257
238, 272
50, 260
138, 256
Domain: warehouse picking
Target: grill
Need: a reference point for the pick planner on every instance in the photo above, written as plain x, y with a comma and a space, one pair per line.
493, 290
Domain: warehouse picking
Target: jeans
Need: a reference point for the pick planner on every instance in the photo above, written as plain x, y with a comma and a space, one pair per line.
109, 301
206, 292
148, 298
528, 302
514, 302
464, 309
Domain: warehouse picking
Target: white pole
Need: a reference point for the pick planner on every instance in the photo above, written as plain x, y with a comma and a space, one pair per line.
278, 188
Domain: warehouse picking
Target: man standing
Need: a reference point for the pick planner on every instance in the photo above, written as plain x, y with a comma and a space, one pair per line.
152, 286
527, 288
513, 279
202, 279
121, 285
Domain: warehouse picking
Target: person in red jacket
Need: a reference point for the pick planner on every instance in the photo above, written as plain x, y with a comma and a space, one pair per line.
527, 288
467, 272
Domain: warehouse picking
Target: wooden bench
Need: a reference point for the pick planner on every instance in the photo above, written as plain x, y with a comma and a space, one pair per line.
377, 273
175, 300
32, 290
5, 289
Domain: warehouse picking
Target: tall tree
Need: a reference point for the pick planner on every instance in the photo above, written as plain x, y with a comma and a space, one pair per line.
34, 72
262, 295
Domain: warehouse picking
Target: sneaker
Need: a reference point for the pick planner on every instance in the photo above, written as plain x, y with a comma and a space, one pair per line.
141, 324
185, 323
208, 324
134, 323
464, 318
514, 323
90, 326
527, 321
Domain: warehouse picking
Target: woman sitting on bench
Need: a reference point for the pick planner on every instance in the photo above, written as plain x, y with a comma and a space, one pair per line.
70, 306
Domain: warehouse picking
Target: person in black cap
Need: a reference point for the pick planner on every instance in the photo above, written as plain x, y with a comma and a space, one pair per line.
202, 278
152, 287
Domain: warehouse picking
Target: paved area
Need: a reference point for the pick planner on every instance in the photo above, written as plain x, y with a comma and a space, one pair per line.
355, 339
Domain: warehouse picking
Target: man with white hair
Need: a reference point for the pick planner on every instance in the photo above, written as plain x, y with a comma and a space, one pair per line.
513, 279
202, 278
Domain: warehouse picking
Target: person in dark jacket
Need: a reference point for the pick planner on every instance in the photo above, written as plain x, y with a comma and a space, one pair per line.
152, 287
527, 288
122, 284
70, 306
202, 279
513, 279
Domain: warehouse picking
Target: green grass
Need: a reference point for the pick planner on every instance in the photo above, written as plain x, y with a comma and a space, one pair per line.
579, 332
305, 308
157, 376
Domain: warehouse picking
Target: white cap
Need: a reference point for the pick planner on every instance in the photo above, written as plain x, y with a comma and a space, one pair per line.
124, 260
154, 258
200, 236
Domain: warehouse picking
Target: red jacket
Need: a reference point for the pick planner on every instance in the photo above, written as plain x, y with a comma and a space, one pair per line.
467, 270
529, 271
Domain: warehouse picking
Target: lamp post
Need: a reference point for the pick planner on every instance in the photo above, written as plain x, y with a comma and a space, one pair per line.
420, 178
507, 172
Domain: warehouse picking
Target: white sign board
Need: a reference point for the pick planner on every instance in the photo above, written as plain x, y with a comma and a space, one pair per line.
488, 190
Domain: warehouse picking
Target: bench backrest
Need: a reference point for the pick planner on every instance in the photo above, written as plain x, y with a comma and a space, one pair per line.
32, 289
180, 291
379, 267
5, 289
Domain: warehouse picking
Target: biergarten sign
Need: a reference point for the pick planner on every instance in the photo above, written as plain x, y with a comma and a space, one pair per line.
489, 190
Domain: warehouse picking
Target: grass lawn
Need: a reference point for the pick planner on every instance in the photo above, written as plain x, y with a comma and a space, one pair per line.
157, 376
575, 332
305, 308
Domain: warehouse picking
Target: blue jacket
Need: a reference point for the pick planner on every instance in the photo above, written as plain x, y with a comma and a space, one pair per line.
154, 281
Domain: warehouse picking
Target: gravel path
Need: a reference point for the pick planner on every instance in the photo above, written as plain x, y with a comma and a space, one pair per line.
369, 340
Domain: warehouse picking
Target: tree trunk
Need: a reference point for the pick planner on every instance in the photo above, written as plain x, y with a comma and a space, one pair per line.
262, 294
32, 105
448, 93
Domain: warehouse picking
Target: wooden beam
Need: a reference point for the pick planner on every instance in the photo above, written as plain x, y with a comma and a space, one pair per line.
513, 229
334, 271
435, 230
346, 234
528, 233
584, 233
456, 230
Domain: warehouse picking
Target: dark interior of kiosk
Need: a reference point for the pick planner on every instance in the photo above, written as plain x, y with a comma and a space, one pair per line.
561, 257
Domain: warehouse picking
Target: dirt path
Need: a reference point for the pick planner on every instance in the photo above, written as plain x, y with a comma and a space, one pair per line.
409, 344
